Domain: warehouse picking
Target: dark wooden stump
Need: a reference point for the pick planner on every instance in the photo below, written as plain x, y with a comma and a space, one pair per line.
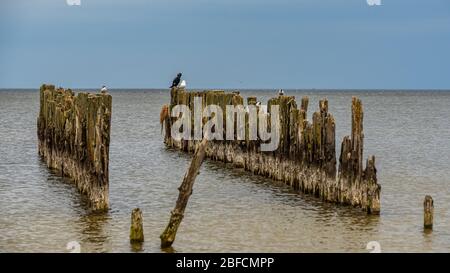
136, 228
428, 211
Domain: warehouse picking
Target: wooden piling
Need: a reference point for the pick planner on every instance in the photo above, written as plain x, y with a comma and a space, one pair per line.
74, 136
428, 211
306, 157
136, 227
185, 191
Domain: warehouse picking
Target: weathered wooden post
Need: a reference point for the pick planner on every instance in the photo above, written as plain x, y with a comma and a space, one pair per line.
428, 211
251, 101
136, 228
74, 135
304, 104
168, 236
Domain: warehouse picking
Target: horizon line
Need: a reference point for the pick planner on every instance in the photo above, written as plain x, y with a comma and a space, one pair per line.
237, 89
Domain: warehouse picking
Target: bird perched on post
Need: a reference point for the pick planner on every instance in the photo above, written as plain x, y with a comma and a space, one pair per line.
176, 81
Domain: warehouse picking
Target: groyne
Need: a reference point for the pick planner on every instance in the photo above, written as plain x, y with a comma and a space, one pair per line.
306, 155
74, 136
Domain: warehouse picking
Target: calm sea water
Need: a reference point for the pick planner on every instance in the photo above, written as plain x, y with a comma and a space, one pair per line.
230, 210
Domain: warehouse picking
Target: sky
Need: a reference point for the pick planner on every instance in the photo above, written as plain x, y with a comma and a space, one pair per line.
342, 44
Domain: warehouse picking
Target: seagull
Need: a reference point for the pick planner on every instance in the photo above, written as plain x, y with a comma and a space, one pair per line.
182, 84
280, 92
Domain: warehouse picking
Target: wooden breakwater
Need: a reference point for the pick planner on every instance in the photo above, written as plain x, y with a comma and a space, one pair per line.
74, 135
306, 155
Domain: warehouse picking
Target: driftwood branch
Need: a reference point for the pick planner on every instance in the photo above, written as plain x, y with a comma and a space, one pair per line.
168, 236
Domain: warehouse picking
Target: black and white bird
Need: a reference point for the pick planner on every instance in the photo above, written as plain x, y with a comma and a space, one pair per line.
177, 80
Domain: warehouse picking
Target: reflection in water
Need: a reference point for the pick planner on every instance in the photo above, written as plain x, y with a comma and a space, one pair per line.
427, 233
93, 230
428, 240
169, 250
329, 213
136, 247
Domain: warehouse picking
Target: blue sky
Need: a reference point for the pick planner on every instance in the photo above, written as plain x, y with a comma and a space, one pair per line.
226, 43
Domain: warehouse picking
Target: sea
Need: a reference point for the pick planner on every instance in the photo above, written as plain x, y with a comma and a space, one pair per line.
230, 210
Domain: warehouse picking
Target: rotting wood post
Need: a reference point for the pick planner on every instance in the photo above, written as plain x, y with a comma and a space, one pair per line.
304, 104
136, 228
185, 191
73, 138
251, 101
428, 211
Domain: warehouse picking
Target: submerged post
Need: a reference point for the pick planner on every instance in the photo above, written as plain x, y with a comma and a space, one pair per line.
136, 228
428, 211
185, 191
